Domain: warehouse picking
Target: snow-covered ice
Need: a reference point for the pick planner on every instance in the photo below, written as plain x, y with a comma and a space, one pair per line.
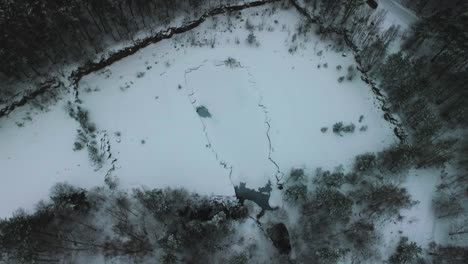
266, 84
267, 111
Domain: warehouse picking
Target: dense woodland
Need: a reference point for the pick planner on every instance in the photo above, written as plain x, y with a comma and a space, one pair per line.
39, 34
425, 81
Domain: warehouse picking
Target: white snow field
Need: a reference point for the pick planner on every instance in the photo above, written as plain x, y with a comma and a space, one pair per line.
153, 96
39, 154
267, 107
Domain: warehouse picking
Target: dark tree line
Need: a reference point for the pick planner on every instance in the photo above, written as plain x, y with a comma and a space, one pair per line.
162, 226
427, 7
426, 81
338, 211
38, 34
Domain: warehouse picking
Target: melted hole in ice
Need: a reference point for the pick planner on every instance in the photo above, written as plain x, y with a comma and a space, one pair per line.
203, 112
260, 196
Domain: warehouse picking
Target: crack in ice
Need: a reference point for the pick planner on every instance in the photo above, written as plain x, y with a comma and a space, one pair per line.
279, 174
209, 145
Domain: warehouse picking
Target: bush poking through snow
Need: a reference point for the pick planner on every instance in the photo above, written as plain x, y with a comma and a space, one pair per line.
351, 73
140, 74
292, 49
339, 128
77, 146
252, 40
94, 154
341, 79
324, 129
361, 117
231, 63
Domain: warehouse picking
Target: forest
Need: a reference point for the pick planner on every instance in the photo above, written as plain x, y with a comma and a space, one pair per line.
424, 81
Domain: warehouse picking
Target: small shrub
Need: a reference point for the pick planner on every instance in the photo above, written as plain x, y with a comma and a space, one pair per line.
294, 37
341, 79
231, 63
91, 127
349, 128
325, 65
252, 39
77, 146
324, 129
363, 129
140, 74
339, 128
361, 118
339, 67
351, 73
94, 153
292, 49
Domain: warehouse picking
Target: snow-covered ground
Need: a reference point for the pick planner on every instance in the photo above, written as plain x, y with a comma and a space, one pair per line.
263, 86
267, 109
35, 153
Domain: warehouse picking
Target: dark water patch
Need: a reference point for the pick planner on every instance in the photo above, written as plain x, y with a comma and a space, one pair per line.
259, 196
202, 111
